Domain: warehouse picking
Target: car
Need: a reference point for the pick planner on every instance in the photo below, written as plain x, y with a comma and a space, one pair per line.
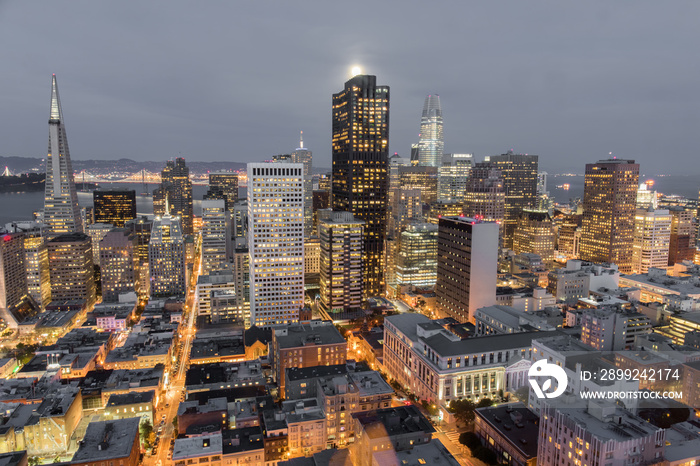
160, 429
163, 417
167, 405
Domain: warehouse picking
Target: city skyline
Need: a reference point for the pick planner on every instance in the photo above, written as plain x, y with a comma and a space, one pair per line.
581, 87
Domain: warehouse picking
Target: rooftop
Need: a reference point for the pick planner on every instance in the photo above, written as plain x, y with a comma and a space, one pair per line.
395, 421
194, 447
447, 347
303, 373
243, 439
131, 398
604, 420
433, 452
105, 440
516, 423
311, 333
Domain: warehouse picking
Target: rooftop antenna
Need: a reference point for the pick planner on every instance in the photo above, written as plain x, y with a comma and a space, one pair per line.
301, 139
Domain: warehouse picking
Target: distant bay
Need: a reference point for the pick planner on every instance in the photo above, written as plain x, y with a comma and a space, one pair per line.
19, 206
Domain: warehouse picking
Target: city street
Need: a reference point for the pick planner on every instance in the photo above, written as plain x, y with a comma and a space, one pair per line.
174, 387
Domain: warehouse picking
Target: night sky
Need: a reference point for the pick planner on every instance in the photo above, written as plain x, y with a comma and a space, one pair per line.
238, 80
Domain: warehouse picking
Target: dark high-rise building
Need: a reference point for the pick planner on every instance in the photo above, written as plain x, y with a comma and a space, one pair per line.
609, 206
361, 167
142, 227
682, 235
175, 194
61, 209
115, 206
13, 277
321, 200
467, 259
519, 172
223, 186
71, 268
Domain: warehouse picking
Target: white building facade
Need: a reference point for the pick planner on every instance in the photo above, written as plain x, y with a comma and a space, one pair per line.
276, 242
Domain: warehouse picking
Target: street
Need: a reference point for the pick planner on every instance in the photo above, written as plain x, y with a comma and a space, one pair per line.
174, 386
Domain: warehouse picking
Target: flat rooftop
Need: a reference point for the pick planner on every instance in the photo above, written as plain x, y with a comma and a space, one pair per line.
105, 440
197, 446
395, 421
516, 423
314, 333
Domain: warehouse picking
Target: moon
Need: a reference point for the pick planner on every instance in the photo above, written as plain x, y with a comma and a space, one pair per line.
356, 70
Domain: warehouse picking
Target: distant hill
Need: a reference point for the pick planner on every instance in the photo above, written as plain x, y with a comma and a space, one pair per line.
18, 165
29, 164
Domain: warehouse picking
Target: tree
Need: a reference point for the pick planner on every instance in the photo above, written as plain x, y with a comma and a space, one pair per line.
485, 455
33, 460
148, 437
484, 403
430, 408
463, 410
175, 425
470, 440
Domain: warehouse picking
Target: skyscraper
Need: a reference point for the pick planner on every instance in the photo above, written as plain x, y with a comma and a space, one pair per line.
682, 245
71, 268
223, 185
466, 268
175, 191
114, 206
61, 209
453, 175
430, 142
652, 239
142, 227
341, 262
519, 172
305, 157
416, 261
360, 166
535, 234
13, 280
166, 258
276, 242
609, 206
484, 196
423, 178
119, 269
216, 236
36, 260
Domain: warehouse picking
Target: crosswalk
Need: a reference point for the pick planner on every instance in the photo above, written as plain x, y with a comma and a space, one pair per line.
453, 436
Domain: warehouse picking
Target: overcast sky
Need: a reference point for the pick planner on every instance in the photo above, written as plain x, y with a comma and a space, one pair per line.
237, 80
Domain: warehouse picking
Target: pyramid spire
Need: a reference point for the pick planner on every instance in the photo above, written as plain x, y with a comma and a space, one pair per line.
56, 113
61, 209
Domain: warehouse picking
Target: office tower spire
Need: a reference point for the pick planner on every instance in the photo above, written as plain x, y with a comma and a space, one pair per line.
430, 142
61, 210
305, 156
